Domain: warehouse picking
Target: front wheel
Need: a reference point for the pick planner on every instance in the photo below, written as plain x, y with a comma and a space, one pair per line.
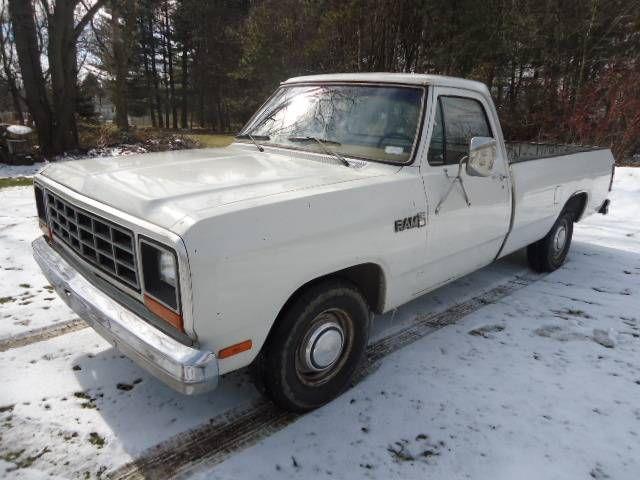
548, 254
316, 346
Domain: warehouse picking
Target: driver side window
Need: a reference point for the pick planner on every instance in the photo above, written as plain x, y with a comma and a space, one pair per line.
457, 120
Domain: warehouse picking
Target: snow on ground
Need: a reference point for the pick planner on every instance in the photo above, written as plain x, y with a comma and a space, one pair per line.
27, 302
543, 384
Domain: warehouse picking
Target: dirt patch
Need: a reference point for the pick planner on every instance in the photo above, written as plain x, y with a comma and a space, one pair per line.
96, 439
421, 449
571, 312
486, 331
559, 333
109, 141
20, 461
44, 333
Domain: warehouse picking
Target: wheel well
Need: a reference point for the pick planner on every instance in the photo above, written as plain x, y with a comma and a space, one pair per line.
368, 277
576, 205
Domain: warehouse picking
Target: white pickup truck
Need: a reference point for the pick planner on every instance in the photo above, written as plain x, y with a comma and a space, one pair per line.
344, 196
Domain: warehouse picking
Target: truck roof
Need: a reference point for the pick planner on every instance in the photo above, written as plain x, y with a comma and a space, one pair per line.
399, 78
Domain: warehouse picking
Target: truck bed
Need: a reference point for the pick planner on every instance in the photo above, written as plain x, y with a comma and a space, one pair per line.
525, 151
544, 177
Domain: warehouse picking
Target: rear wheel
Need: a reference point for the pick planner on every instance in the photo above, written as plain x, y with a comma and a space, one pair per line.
549, 253
316, 346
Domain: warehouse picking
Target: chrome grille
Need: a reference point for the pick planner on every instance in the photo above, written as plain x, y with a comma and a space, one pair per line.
108, 247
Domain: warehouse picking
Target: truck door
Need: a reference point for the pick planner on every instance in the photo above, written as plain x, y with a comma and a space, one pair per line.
462, 236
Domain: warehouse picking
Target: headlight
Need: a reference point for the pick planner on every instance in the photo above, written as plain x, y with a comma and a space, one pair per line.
168, 269
160, 273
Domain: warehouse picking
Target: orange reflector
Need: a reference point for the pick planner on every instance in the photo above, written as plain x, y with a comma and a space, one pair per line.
163, 312
235, 349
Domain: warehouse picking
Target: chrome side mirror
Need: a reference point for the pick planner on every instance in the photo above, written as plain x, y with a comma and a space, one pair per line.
482, 156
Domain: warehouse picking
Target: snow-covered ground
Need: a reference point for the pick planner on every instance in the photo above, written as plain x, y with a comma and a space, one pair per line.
544, 383
27, 302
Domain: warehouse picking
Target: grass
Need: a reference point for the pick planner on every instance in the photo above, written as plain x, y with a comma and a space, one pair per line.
211, 140
96, 439
16, 182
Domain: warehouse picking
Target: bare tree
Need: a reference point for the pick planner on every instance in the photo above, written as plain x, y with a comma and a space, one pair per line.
55, 117
168, 38
24, 28
122, 26
8, 68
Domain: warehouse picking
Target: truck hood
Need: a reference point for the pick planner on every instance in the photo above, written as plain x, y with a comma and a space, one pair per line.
163, 188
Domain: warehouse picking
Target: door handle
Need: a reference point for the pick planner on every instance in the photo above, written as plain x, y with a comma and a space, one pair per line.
499, 176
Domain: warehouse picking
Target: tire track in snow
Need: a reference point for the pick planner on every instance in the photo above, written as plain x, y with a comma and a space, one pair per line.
211, 444
41, 334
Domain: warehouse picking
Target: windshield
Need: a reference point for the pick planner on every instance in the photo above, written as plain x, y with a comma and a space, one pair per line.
369, 122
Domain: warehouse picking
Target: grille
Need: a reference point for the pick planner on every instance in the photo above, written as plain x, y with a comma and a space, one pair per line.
109, 248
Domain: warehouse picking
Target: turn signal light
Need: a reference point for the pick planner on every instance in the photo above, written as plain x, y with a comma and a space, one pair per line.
163, 312
235, 349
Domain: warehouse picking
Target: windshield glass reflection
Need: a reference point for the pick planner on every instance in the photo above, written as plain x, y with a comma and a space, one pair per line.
369, 122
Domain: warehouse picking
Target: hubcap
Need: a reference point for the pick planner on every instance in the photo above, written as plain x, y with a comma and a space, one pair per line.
324, 346
560, 239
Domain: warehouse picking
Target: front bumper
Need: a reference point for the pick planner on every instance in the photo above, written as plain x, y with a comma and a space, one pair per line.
186, 369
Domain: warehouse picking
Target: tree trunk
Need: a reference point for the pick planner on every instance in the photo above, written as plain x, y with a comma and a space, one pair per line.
55, 121
121, 62
154, 70
15, 99
10, 77
24, 28
11, 84
166, 88
147, 78
61, 51
172, 84
185, 87
165, 79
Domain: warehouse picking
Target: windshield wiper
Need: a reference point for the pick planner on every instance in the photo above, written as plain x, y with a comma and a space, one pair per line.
323, 144
253, 139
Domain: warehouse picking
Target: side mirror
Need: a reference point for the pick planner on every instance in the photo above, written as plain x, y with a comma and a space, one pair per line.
482, 155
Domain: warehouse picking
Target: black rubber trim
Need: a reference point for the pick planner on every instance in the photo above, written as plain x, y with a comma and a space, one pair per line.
542, 157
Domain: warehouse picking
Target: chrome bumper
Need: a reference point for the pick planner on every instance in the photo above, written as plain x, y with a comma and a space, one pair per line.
183, 368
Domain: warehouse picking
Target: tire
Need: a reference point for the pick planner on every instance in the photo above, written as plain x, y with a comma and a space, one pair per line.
316, 346
549, 254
